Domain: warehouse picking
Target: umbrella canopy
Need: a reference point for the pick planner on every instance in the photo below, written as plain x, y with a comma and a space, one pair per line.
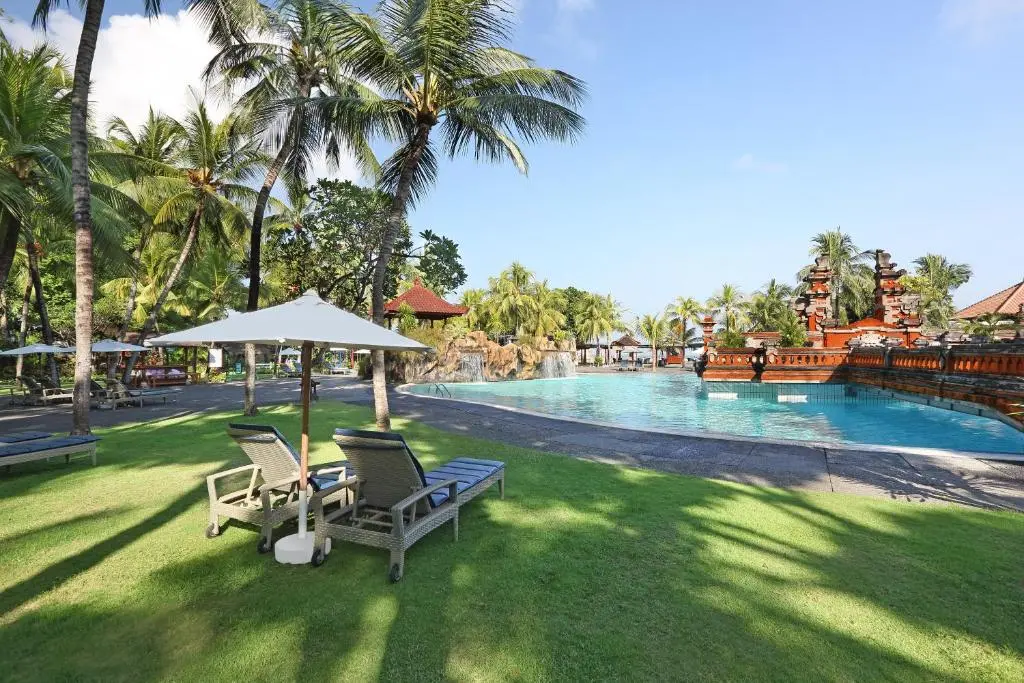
306, 319
290, 352
37, 348
307, 322
114, 346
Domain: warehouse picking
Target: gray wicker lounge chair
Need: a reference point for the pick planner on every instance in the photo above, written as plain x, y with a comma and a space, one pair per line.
26, 448
392, 503
41, 395
139, 395
271, 496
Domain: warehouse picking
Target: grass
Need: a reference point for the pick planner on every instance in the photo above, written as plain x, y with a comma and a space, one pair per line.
585, 572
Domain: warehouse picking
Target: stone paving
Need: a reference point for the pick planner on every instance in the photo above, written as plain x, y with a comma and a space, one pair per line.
906, 476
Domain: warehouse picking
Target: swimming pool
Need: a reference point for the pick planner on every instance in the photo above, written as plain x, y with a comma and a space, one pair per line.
677, 401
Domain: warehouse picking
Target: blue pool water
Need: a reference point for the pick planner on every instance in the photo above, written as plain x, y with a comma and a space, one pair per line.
674, 400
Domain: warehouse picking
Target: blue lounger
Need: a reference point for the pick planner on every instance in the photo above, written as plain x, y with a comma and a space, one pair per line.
43, 449
18, 437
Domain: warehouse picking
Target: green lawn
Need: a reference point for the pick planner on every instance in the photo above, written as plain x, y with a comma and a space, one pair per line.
584, 572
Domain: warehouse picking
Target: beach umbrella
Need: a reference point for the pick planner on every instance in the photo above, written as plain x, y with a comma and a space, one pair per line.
290, 352
306, 322
114, 346
37, 348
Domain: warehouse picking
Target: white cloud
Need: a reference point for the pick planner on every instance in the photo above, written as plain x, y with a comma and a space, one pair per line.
141, 62
747, 162
981, 20
566, 27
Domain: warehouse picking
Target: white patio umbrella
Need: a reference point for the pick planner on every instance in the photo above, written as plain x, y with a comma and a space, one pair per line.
114, 346
306, 322
37, 348
290, 352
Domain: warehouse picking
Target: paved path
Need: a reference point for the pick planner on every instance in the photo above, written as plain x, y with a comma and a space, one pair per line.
902, 476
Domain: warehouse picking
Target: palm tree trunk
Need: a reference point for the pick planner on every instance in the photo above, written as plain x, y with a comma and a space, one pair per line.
82, 215
8, 246
256, 248
150, 324
23, 332
41, 311
129, 310
403, 194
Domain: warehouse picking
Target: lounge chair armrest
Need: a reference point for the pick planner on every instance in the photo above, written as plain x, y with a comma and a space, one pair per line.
319, 497
327, 471
227, 473
451, 484
282, 484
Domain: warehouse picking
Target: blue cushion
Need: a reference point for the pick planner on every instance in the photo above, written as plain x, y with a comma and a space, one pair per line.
18, 437
467, 471
40, 445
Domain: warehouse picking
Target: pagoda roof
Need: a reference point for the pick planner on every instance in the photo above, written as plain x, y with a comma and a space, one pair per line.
424, 303
625, 340
1006, 302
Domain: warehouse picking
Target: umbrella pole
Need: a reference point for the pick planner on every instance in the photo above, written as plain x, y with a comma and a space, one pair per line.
307, 355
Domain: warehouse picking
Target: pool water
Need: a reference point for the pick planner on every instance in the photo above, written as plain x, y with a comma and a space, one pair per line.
678, 401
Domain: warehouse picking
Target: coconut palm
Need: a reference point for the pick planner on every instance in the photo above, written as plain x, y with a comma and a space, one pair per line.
935, 281
599, 316
158, 139
223, 27
768, 307
442, 64
653, 329
729, 306
295, 57
510, 297
546, 317
682, 311
204, 192
852, 281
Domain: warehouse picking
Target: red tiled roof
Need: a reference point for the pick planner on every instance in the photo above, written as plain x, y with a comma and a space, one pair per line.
1006, 302
424, 302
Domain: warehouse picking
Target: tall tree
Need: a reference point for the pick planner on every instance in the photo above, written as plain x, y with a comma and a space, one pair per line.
597, 317
769, 305
205, 191
935, 280
852, 281
545, 316
510, 295
292, 58
681, 312
442, 64
729, 305
654, 330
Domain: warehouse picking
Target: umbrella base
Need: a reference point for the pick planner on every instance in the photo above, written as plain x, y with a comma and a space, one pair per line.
297, 549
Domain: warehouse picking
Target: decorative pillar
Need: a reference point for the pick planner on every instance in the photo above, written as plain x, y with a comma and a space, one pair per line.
708, 325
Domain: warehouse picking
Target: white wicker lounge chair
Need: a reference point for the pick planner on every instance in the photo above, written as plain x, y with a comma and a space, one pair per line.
271, 495
392, 503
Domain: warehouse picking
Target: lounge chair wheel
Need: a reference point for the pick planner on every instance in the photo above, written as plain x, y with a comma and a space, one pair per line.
395, 573
212, 531
263, 546
318, 557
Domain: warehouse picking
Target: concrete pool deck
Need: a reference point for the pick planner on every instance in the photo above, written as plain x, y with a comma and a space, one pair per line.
895, 474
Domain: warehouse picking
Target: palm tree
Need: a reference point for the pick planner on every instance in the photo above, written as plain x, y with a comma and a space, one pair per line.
546, 317
654, 330
296, 57
852, 282
217, 160
442, 64
768, 307
476, 301
223, 27
510, 297
681, 312
158, 139
935, 281
729, 306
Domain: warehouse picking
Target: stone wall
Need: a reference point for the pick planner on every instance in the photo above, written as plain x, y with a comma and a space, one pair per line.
475, 358
989, 375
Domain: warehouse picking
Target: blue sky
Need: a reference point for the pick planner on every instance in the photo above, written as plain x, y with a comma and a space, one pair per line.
721, 136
